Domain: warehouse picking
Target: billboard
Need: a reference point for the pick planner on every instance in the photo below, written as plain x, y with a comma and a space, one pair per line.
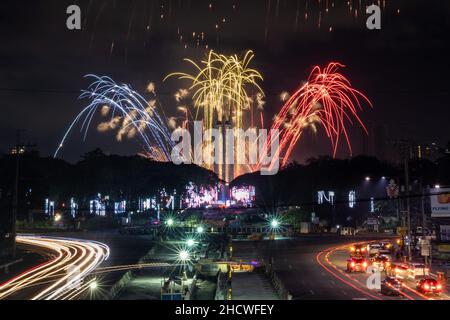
440, 202
445, 233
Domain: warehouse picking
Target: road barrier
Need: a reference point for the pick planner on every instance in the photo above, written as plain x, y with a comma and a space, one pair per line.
6, 266
191, 288
128, 276
221, 287
277, 284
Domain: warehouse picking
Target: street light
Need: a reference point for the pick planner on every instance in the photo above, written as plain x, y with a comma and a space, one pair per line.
170, 222
190, 242
183, 255
274, 223
367, 178
200, 229
93, 285
437, 186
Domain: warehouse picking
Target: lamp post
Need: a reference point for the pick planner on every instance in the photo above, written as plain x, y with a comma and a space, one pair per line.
190, 243
200, 229
15, 205
183, 256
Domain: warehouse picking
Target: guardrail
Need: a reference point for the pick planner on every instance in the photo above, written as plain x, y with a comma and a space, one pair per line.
128, 276
277, 284
6, 266
221, 287
191, 288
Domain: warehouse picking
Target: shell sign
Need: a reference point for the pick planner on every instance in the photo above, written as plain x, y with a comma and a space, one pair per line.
440, 202
444, 198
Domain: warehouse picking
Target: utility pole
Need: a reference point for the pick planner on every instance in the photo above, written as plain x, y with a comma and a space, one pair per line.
404, 148
15, 205
422, 189
408, 209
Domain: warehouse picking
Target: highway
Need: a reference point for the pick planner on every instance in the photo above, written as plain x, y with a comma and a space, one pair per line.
333, 260
64, 276
312, 267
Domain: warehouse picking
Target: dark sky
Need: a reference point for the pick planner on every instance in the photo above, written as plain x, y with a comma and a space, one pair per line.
403, 68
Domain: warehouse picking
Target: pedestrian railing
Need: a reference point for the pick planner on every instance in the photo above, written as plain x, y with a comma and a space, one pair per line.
277, 284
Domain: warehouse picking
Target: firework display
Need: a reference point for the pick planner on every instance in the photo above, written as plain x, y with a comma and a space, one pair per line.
328, 100
220, 91
128, 113
219, 87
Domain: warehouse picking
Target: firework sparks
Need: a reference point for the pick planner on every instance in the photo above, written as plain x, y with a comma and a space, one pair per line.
326, 99
131, 115
181, 94
220, 87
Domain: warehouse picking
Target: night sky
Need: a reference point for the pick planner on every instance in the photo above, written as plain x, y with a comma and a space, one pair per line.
403, 68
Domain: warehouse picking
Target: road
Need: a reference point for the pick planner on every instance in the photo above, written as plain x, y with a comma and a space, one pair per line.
64, 276
312, 267
333, 260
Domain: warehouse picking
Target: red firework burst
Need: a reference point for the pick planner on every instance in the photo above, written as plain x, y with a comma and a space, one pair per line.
326, 99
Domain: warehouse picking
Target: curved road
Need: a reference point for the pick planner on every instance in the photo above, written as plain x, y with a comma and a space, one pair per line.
64, 276
333, 260
312, 267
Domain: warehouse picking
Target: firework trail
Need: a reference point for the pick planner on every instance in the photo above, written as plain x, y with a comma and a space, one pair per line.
220, 86
326, 99
130, 114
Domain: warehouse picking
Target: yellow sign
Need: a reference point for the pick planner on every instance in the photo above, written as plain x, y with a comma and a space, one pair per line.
402, 231
444, 248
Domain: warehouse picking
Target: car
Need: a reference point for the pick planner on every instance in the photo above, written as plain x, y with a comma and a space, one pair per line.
392, 286
386, 248
381, 262
374, 249
386, 245
397, 270
357, 264
417, 270
429, 285
358, 249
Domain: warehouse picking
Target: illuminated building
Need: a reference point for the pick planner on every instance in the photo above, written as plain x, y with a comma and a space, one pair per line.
18, 150
424, 151
120, 207
244, 195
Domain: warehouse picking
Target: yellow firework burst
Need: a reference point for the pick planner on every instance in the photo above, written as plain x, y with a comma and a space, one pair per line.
221, 86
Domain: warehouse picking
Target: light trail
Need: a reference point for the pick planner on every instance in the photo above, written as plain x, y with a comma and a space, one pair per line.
348, 276
60, 278
341, 275
318, 257
133, 266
